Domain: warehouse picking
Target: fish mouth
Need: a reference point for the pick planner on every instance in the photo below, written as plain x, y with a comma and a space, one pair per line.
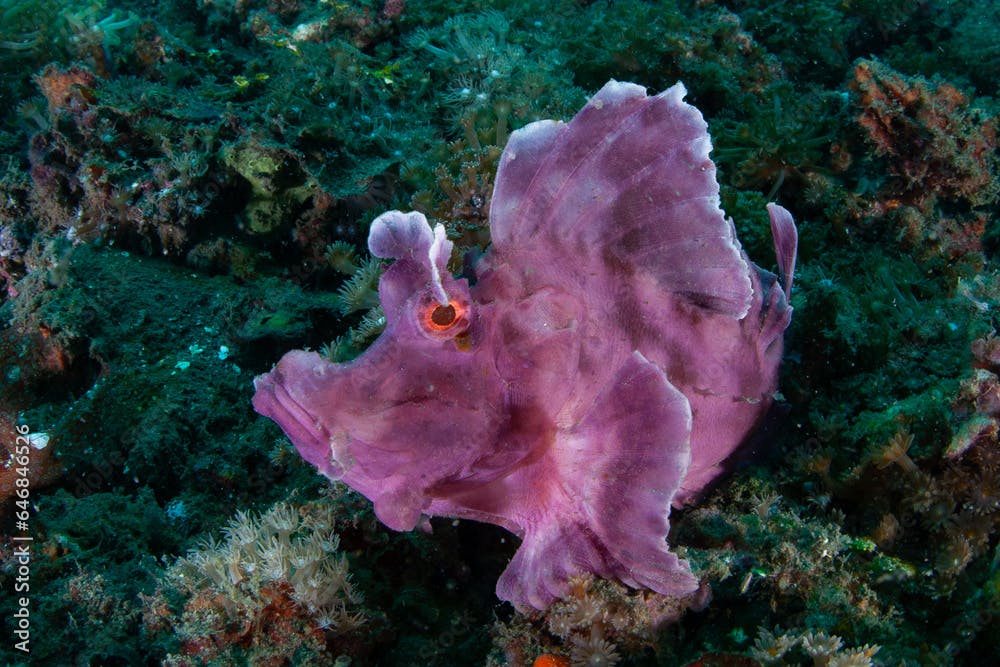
273, 400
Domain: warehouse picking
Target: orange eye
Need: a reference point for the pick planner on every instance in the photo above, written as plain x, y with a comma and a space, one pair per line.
438, 318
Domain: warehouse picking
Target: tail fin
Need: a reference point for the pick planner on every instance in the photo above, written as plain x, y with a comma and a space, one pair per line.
786, 244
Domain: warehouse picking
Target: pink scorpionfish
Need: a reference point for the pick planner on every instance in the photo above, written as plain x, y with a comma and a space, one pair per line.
617, 345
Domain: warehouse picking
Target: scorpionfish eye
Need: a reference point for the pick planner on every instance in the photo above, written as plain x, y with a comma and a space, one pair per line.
442, 316
443, 321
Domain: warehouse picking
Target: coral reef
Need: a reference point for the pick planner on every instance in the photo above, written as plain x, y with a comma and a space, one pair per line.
461, 195
26, 462
594, 625
185, 192
942, 153
824, 650
358, 293
935, 144
274, 591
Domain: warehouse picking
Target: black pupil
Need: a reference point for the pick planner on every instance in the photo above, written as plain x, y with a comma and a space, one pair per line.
443, 315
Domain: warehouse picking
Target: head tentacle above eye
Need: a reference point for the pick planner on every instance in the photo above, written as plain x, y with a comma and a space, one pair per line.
438, 255
409, 236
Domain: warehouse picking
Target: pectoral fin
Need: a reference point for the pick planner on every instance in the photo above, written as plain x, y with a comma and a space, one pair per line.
608, 504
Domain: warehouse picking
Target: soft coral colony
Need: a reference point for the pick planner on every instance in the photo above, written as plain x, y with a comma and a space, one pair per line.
607, 355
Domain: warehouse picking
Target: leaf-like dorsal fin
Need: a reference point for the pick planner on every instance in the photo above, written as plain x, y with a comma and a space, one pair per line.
628, 179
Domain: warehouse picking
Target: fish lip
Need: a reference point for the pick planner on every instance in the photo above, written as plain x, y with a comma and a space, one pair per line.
273, 400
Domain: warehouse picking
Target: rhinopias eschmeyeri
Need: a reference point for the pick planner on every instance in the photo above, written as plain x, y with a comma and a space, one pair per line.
616, 347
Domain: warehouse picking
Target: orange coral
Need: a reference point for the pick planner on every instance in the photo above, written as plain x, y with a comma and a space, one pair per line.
939, 148
67, 89
937, 143
26, 462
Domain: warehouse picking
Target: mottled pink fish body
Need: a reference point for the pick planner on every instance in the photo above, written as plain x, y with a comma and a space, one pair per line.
616, 348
